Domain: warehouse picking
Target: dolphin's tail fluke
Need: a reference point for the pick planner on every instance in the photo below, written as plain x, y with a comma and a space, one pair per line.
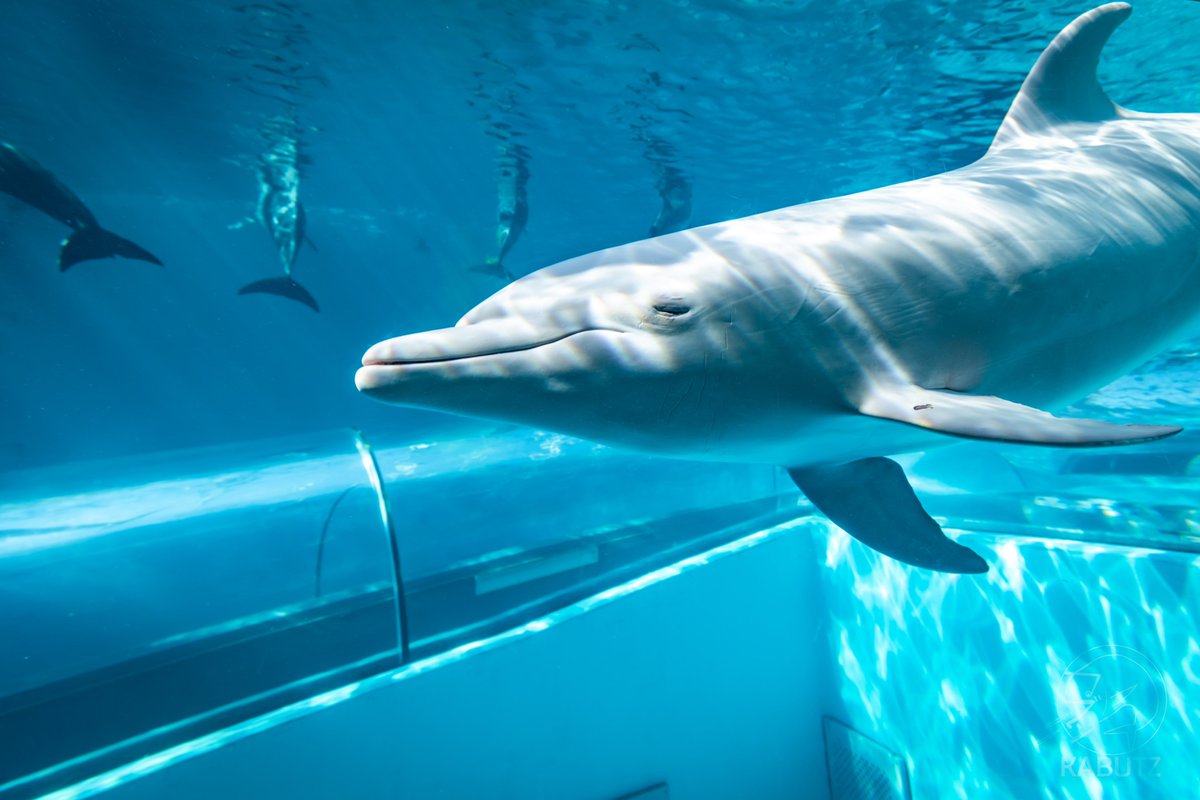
494, 268
90, 242
284, 286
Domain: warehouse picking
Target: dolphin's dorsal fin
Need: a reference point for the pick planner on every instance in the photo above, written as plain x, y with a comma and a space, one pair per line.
1062, 85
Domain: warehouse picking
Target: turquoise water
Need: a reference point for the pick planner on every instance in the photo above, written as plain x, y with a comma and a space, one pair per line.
157, 117
404, 130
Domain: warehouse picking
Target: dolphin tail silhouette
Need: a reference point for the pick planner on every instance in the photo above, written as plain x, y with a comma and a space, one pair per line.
284, 286
494, 268
92, 241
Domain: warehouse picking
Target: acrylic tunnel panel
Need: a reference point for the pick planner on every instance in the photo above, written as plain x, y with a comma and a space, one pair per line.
147, 601
150, 600
494, 531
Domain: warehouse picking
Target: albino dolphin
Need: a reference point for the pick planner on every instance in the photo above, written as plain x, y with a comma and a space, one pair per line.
825, 336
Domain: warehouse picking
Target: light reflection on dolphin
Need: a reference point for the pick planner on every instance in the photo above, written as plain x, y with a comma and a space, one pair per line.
825, 336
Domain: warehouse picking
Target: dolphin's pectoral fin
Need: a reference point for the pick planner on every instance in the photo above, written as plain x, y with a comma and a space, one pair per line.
993, 419
872, 501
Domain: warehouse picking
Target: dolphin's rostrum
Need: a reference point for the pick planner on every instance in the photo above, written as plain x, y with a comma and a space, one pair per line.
33, 184
827, 336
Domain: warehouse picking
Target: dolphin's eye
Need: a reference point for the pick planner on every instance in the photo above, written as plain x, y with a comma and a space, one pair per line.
672, 308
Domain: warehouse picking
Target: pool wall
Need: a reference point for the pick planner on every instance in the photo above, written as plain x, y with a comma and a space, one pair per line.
713, 682
1070, 671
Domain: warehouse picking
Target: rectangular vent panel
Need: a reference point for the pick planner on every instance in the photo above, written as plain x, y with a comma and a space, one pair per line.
861, 768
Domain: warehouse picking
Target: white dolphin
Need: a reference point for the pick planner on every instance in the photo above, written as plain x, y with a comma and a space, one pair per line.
825, 336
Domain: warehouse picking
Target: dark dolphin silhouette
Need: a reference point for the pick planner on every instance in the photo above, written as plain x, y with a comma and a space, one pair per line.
36, 186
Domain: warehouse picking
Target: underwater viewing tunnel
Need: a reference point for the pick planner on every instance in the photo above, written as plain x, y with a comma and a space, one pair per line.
659, 501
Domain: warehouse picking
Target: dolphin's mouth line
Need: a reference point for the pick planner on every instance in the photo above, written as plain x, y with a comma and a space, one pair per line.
495, 352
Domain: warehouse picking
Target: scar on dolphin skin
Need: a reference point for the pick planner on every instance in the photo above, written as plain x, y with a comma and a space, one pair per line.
777, 384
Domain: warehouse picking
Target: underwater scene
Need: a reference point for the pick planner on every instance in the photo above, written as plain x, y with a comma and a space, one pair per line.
584, 399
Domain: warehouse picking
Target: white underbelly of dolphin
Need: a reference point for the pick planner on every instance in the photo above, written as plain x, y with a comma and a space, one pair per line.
825, 336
